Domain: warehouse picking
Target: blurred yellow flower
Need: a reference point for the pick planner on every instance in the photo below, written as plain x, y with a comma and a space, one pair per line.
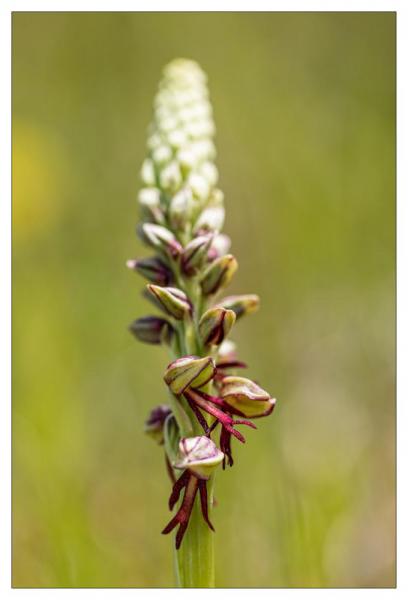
37, 178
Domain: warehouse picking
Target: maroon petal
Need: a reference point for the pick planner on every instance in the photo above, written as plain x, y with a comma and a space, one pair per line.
171, 525
225, 446
206, 403
231, 364
170, 471
183, 515
198, 414
180, 533
202, 485
245, 422
177, 487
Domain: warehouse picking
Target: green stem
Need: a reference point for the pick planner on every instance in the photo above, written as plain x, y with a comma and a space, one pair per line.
194, 561
184, 422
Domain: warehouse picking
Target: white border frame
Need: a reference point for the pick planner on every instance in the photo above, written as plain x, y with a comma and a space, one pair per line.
6, 7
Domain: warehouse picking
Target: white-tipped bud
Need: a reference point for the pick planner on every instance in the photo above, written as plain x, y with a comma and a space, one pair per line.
149, 201
170, 177
161, 155
163, 111
221, 245
147, 173
210, 172
211, 219
203, 110
149, 197
177, 138
180, 209
200, 129
199, 186
160, 238
154, 141
187, 159
204, 150
227, 350
213, 216
199, 455
199, 94
168, 124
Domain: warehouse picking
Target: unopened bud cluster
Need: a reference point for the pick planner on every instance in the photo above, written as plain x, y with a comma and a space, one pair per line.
181, 217
179, 175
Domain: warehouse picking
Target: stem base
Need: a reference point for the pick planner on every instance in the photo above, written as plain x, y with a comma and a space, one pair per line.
194, 561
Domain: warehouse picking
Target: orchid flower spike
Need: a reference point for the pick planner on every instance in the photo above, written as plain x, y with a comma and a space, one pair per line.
182, 213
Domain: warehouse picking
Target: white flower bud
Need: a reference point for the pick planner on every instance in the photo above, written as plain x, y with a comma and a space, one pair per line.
154, 141
181, 99
227, 349
211, 219
202, 128
210, 172
186, 115
199, 94
181, 209
149, 201
147, 173
199, 186
203, 110
187, 159
170, 177
199, 455
198, 129
177, 138
168, 124
217, 197
149, 197
162, 154
204, 149
221, 245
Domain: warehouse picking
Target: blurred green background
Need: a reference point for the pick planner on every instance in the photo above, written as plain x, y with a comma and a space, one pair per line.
305, 111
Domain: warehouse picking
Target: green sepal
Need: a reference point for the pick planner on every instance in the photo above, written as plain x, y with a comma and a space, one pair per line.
219, 274
160, 238
171, 300
189, 371
195, 253
171, 435
215, 325
241, 305
247, 397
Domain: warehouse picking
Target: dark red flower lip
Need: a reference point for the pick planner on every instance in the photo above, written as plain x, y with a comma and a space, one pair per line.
231, 364
191, 484
214, 406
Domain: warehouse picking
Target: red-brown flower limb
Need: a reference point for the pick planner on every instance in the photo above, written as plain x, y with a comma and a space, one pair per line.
192, 484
